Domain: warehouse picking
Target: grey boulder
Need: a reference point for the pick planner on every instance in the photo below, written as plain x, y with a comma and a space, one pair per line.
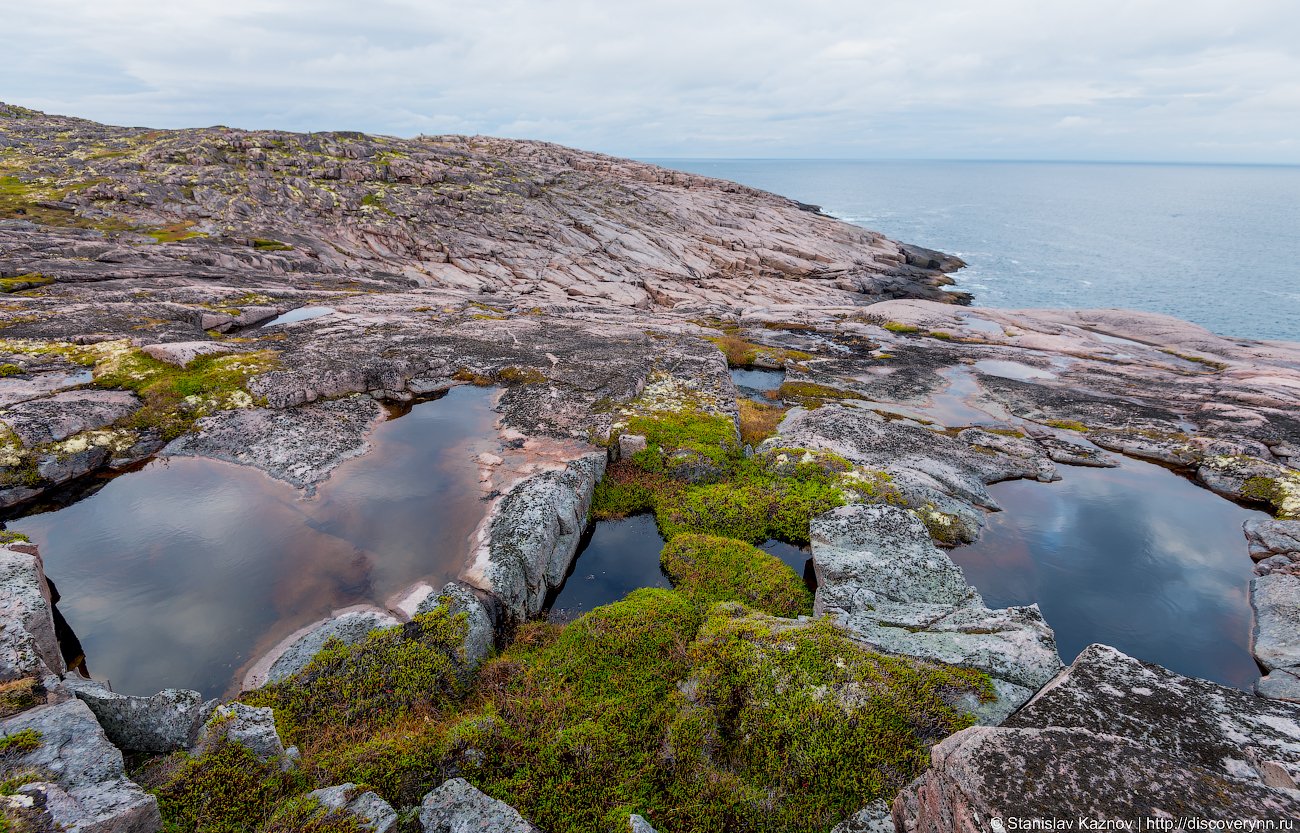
250, 726
295, 652
164, 722
370, 811
28, 645
457, 807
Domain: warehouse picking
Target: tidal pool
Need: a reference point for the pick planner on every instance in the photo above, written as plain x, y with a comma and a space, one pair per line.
299, 314
752, 384
179, 574
616, 557
1135, 557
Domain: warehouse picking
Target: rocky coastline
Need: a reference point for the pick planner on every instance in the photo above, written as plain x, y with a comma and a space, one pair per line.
608, 301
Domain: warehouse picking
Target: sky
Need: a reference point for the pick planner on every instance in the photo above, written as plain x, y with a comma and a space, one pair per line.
1135, 80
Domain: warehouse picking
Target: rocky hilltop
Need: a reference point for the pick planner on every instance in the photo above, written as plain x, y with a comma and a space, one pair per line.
254, 297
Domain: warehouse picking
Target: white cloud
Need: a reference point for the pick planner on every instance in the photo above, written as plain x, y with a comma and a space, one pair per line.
1199, 79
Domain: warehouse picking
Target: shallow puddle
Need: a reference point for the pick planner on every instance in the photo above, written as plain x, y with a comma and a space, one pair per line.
1134, 557
1012, 370
299, 314
176, 575
752, 384
616, 557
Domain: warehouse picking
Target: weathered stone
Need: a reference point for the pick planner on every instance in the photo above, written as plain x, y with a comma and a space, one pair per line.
295, 651
28, 644
636, 824
456, 807
1275, 636
876, 817
482, 615
369, 810
181, 353
881, 577
630, 444
1280, 684
535, 533
63, 415
249, 726
165, 722
84, 787
1272, 537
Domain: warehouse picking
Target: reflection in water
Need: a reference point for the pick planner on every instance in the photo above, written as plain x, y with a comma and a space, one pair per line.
617, 557
752, 384
1135, 557
176, 574
299, 314
1012, 370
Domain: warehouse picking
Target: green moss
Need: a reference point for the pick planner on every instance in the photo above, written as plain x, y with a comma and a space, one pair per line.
8, 369
1067, 424
20, 695
30, 280
306, 815
263, 244
710, 569
10, 537
20, 742
941, 335
812, 395
742, 353
900, 328
174, 232
712, 436
1187, 357
520, 376
175, 397
225, 790
392, 673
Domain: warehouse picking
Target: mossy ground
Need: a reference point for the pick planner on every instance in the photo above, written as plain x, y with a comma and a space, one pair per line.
743, 353
709, 569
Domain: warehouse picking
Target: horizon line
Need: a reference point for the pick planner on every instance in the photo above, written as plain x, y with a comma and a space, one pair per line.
908, 159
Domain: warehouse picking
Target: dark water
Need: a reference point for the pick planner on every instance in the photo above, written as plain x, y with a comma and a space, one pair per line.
619, 556
1135, 557
176, 574
752, 383
1211, 244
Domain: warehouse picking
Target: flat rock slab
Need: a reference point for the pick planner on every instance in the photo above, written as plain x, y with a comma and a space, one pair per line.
883, 579
1272, 537
1275, 637
58, 417
457, 807
86, 788
300, 445
985, 773
181, 353
1213, 727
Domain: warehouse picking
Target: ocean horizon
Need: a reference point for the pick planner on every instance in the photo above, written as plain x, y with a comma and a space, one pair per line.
1211, 243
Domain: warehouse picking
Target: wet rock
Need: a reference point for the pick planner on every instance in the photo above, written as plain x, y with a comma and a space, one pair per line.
370, 811
300, 446
534, 533
28, 644
876, 817
164, 722
294, 652
1275, 636
81, 780
250, 726
881, 577
181, 353
456, 807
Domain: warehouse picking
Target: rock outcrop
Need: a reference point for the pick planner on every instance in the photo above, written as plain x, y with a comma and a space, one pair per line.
369, 810
28, 644
1115, 739
74, 776
881, 577
296, 650
250, 726
456, 807
168, 721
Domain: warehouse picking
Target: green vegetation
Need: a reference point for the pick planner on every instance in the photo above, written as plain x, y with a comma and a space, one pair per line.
900, 328
11, 537
742, 353
813, 395
175, 397
1187, 357
304, 815
174, 232
20, 695
7, 369
514, 375
1067, 424
758, 420
263, 244
710, 569
225, 790
30, 280
20, 742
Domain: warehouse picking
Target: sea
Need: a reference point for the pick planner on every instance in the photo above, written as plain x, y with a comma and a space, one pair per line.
1218, 245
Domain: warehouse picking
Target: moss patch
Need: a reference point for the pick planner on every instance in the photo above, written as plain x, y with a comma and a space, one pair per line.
813, 395
31, 280
20, 742
758, 420
900, 328
226, 790
710, 569
742, 353
1067, 424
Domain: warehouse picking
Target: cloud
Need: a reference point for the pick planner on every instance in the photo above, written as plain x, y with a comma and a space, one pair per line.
1205, 79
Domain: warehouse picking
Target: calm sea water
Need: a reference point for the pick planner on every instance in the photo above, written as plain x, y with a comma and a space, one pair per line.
1213, 244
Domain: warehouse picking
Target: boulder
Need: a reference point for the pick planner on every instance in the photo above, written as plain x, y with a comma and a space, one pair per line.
369, 810
482, 617
534, 533
456, 807
249, 726
1280, 684
636, 824
294, 652
630, 444
28, 645
1272, 537
982, 775
883, 579
165, 722
1219, 729
79, 777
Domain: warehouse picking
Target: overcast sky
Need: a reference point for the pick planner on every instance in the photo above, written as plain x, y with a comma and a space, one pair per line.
1181, 80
